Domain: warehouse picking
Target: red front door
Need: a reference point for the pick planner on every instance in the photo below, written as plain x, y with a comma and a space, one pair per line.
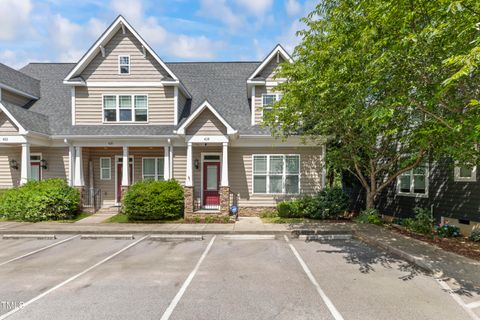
211, 184
119, 179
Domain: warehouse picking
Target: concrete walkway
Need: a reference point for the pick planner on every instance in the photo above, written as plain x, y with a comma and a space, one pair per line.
96, 218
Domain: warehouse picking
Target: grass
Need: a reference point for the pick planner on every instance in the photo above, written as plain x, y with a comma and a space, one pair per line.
284, 220
122, 218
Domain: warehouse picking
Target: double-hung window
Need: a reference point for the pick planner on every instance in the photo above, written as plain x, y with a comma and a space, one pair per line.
466, 173
152, 169
124, 64
125, 108
276, 174
268, 100
414, 182
105, 169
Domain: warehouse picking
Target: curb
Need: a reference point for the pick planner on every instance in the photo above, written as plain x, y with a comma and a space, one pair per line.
417, 261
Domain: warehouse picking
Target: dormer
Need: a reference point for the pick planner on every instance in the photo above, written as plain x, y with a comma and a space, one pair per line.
262, 82
16, 87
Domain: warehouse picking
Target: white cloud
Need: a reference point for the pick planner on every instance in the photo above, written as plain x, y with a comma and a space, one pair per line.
293, 7
188, 47
15, 18
289, 39
256, 7
219, 10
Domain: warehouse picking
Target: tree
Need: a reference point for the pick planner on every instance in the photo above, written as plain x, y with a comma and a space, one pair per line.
369, 74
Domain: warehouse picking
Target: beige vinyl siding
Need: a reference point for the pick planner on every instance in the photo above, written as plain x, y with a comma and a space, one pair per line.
14, 98
270, 69
180, 164
57, 164
206, 124
9, 177
89, 103
259, 91
57, 161
7, 128
240, 173
106, 68
93, 155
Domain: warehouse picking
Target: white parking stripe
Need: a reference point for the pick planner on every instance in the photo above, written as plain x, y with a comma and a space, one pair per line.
457, 299
6, 315
474, 305
38, 250
335, 313
176, 299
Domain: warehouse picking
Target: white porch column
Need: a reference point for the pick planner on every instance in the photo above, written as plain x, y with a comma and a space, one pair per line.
224, 182
125, 168
25, 165
166, 162
189, 180
78, 180
71, 164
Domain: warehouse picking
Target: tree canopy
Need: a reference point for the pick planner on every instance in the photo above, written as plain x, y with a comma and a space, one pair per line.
380, 79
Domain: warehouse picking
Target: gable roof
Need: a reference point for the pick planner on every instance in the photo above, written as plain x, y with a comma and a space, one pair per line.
19, 82
277, 50
120, 22
205, 105
24, 119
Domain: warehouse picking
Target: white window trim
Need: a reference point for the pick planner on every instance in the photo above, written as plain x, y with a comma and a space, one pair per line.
277, 97
117, 107
109, 168
129, 65
412, 184
284, 174
458, 178
157, 172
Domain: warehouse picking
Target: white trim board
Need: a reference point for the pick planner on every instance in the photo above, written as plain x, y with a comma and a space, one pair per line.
197, 112
277, 50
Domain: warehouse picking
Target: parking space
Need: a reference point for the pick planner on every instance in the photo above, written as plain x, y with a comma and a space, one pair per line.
215, 278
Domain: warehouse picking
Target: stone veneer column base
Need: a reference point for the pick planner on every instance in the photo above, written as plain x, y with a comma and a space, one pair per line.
123, 190
81, 190
188, 201
224, 200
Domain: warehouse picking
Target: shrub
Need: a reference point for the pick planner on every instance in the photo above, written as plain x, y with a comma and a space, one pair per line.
370, 216
290, 209
475, 235
447, 231
154, 200
50, 199
422, 223
327, 204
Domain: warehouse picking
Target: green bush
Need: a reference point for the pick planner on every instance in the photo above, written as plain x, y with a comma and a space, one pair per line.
475, 235
327, 204
447, 231
154, 200
50, 199
422, 223
369, 216
290, 209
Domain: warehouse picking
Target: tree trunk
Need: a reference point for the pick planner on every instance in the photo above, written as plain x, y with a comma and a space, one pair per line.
370, 200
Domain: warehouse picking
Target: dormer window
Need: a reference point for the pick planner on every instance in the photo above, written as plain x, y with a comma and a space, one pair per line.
124, 64
268, 100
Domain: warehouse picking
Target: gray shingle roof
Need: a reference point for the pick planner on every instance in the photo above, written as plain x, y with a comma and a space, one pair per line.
223, 84
29, 120
19, 81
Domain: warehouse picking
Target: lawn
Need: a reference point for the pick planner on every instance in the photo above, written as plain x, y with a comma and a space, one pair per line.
122, 218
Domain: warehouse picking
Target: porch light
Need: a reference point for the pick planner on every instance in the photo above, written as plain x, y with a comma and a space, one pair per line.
14, 164
43, 164
195, 163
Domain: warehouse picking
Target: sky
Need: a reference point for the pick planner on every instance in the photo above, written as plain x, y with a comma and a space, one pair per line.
178, 30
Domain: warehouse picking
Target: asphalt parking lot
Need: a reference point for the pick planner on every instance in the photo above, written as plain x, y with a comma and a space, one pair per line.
219, 277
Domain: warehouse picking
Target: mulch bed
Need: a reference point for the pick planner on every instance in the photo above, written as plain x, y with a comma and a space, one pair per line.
460, 245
